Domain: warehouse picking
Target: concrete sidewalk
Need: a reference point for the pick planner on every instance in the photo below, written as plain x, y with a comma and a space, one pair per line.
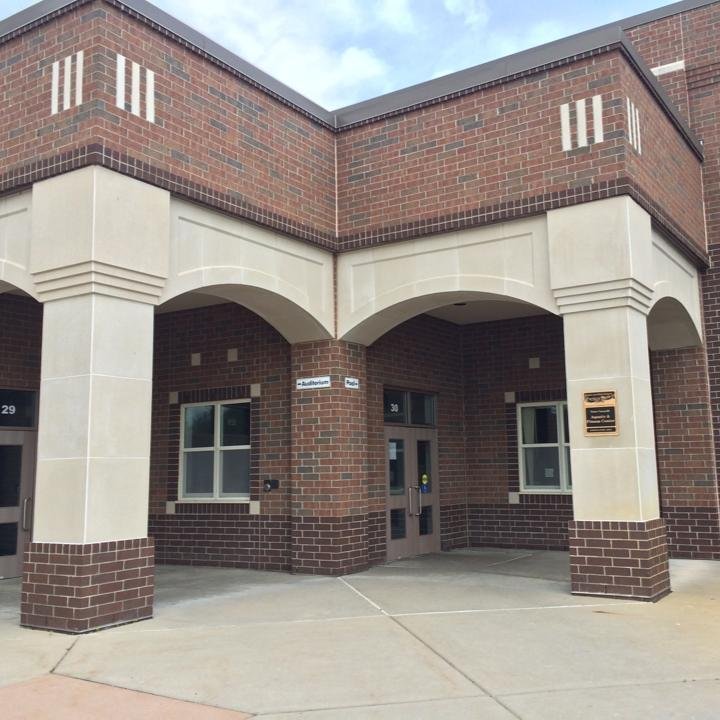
479, 634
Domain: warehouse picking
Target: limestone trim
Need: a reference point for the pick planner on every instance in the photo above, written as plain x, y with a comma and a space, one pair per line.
626, 292
98, 278
287, 282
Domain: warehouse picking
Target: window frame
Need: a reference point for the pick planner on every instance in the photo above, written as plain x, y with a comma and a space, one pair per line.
565, 469
217, 496
406, 421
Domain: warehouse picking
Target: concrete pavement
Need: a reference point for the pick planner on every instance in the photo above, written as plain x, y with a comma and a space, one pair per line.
478, 633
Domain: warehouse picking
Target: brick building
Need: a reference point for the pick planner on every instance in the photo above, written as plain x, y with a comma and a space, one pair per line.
241, 330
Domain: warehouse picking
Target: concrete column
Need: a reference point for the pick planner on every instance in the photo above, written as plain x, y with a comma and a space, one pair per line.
99, 258
600, 269
329, 503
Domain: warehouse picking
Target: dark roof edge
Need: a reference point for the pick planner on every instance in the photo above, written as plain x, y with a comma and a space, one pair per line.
432, 90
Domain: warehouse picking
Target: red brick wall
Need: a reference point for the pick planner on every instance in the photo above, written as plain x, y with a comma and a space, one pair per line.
503, 143
662, 43
685, 452
329, 501
687, 496
79, 588
496, 358
221, 533
667, 170
220, 140
499, 144
20, 342
216, 139
619, 559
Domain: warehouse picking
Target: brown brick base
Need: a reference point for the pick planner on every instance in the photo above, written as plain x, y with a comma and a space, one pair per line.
329, 545
619, 559
79, 588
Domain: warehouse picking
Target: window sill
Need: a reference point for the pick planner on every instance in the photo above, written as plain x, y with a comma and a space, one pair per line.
545, 491
213, 501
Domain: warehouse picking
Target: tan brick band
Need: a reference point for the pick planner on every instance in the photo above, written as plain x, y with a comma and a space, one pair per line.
619, 559
79, 588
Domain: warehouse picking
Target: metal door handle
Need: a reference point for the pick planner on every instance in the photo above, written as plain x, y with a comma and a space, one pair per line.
410, 512
26, 503
419, 512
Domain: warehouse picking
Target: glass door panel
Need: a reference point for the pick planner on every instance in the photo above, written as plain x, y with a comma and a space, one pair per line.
17, 455
412, 502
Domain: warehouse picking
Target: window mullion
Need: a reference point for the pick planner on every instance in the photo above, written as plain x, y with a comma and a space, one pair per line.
216, 452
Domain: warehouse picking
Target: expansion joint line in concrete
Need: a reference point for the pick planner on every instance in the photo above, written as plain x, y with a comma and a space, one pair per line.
64, 655
431, 649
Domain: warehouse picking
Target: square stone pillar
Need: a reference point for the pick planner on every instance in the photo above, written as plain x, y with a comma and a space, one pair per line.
97, 260
329, 458
600, 259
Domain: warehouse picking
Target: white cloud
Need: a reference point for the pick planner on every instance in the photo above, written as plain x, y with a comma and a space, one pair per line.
397, 15
475, 13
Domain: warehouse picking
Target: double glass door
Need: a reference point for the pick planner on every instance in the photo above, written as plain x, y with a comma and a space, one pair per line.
17, 467
413, 526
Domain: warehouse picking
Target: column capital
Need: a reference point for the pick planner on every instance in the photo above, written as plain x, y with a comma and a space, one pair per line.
98, 278
626, 292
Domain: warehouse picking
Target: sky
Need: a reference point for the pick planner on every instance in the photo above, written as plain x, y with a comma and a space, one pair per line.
338, 52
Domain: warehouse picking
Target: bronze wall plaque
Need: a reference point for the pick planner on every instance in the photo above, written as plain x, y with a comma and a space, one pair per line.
600, 413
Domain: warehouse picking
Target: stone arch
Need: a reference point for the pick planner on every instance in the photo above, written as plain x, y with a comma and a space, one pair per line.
286, 282
670, 326
675, 317
15, 237
378, 288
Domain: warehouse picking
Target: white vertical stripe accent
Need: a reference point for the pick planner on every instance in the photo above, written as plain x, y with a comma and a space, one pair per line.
581, 120
66, 82
135, 91
79, 66
150, 96
120, 82
55, 90
638, 143
565, 127
631, 123
598, 130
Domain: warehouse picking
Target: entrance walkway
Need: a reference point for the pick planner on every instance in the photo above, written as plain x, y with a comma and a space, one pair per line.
487, 634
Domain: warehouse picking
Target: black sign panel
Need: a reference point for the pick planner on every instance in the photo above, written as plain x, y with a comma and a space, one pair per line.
17, 408
394, 402
600, 413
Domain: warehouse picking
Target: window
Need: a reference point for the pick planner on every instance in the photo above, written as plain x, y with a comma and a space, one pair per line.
409, 408
544, 447
215, 451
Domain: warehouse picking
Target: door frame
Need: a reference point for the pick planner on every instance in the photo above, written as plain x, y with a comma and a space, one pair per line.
11, 565
410, 501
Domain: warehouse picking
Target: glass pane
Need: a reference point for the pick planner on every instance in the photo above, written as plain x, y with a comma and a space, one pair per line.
198, 473
397, 524
199, 426
424, 466
539, 425
567, 465
566, 432
426, 523
235, 425
235, 472
396, 463
542, 467
10, 465
422, 409
394, 403
8, 538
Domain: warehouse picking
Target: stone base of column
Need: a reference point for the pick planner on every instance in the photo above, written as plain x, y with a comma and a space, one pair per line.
329, 545
80, 588
619, 559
